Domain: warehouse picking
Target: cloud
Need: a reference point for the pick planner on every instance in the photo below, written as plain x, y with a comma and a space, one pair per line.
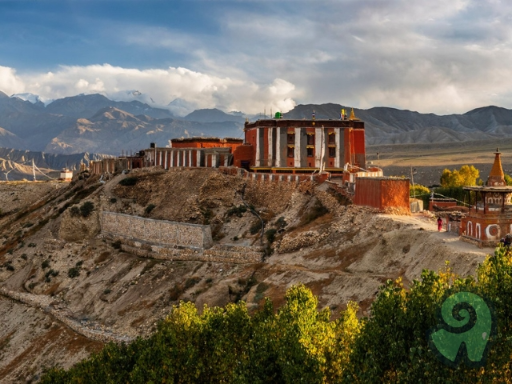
9, 82
436, 56
162, 85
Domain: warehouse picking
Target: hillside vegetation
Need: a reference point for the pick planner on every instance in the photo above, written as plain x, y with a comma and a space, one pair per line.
66, 291
299, 343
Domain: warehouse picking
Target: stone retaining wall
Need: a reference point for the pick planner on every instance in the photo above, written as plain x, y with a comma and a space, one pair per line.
162, 232
217, 253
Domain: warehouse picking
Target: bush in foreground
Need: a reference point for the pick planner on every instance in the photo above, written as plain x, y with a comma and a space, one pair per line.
299, 343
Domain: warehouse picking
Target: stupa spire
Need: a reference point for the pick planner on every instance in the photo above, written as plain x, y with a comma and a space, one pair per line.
496, 176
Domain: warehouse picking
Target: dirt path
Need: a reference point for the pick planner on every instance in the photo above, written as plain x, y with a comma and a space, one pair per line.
61, 313
449, 239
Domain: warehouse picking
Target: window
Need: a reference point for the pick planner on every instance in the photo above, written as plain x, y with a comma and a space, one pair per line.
332, 138
311, 140
310, 151
291, 138
291, 152
332, 151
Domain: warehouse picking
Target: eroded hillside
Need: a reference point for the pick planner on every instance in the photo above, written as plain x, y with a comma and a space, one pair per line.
66, 289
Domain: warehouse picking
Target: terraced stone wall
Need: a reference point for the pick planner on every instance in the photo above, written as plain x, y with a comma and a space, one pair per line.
167, 233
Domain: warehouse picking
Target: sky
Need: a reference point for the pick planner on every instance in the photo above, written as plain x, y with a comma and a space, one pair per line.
432, 56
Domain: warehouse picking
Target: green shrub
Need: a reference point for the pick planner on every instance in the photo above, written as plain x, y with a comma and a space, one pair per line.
149, 208
24, 256
86, 208
255, 228
45, 264
74, 272
31, 245
238, 211
116, 244
113, 200
129, 181
281, 223
207, 215
190, 282
271, 235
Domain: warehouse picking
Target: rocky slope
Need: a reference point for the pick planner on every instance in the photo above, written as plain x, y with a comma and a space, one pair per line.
65, 290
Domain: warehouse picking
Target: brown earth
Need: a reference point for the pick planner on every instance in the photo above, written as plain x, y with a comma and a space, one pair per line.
341, 252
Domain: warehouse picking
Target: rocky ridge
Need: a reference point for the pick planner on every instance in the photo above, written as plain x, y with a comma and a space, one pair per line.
88, 282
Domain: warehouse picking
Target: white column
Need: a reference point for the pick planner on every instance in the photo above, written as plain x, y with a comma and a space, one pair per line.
338, 161
319, 143
198, 154
172, 158
297, 157
165, 160
214, 160
189, 157
270, 148
258, 146
183, 154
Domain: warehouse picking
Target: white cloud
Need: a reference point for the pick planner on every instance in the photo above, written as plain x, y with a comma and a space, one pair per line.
162, 85
10, 83
436, 56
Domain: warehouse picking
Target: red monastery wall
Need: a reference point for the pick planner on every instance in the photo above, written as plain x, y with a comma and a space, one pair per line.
382, 193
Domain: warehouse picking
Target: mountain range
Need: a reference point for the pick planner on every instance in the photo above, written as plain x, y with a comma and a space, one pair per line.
394, 126
96, 124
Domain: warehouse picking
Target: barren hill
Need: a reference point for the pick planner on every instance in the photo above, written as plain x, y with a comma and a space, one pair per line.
66, 289
394, 126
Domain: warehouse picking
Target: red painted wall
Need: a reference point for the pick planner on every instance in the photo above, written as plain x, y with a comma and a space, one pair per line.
266, 132
382, 193
250, 138
243, 153
349, 145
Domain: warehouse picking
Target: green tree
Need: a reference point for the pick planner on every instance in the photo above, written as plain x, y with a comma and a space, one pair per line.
418, 189
299, 343
467, 175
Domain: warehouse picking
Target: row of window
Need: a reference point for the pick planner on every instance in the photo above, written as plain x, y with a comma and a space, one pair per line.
311, 152
311, 139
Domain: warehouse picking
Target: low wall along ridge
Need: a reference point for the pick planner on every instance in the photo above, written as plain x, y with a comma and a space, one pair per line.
156, 231
167, 240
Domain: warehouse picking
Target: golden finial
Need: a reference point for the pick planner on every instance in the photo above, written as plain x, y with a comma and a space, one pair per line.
352, 115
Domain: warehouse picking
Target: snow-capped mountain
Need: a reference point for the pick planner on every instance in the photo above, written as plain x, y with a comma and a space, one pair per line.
132, 95
181, 107
30, 97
